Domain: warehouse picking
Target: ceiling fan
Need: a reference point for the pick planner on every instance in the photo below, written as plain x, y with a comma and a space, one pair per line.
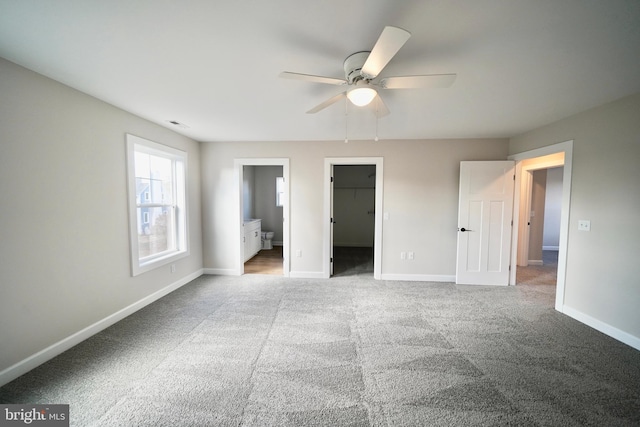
362, 68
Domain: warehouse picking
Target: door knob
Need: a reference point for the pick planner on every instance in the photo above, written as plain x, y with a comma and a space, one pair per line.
463, 229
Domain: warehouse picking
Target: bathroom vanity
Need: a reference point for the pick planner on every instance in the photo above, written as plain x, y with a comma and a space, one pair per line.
252, 237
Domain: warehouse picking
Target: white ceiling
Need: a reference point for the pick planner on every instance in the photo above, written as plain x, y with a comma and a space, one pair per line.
214, 65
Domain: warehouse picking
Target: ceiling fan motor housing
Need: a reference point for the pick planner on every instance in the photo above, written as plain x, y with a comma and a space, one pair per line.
352, 66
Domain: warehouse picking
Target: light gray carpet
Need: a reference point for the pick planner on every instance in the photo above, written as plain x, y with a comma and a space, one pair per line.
349, 351
545, 274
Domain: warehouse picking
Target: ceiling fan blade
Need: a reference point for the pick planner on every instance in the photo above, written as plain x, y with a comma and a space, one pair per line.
388, 44
312, 78
326, 103
418, 82
380, 108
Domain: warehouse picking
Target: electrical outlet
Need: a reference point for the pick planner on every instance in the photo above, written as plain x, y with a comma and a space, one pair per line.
403, 255
410, 255
299, 253
584, 225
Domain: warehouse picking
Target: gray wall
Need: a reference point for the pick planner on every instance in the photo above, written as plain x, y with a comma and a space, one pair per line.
354, 205
248, 191
259, 198
420, 195
602, 265
265, 200
64, 232
552, 209
536, 227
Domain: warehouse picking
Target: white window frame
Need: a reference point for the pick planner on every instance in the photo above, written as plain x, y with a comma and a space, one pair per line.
179, 177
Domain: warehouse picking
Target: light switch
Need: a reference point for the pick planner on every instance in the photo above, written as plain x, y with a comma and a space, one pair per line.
584, 225
386, 215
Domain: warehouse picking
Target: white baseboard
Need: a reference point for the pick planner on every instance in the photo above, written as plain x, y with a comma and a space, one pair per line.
307, 275
535, 262
419, 277
551, 248
221, 271
37, 359
605, 328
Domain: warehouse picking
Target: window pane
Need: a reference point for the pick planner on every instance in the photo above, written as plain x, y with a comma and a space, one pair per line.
161, 177
155, 230
143, 190
157, 188
142, 165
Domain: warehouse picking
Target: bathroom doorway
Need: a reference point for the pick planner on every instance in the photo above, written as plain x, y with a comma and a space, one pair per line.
264, 216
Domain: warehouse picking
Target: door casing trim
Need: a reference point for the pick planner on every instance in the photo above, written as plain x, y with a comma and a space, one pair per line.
565, 147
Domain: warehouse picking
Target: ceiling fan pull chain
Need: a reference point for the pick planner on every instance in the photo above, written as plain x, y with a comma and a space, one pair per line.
346, 120
377, 105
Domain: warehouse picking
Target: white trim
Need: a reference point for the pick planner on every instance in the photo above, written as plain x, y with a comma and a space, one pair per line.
419, 277
37, 359
286, 208
551, 248
535, 262
605, 328
221, 271
377, 245
307, 275
567, 148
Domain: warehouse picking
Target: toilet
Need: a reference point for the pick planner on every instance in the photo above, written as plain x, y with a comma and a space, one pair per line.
266, 240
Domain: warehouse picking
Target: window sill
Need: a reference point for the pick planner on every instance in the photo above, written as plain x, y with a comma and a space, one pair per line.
157, 262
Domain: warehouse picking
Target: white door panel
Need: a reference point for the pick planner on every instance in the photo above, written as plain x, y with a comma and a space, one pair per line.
484, 222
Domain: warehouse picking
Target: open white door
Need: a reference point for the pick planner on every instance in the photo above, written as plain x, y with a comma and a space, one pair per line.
484, 222
331, 220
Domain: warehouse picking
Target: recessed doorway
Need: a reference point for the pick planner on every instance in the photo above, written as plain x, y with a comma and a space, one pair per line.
360, 188
553, 156
354, 197
263, 202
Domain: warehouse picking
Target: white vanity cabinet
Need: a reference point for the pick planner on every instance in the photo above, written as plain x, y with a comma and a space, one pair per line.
252, 237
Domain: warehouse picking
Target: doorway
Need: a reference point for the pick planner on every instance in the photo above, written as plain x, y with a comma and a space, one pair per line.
353, 219
553, 156
538, 270
263, 206
359, 188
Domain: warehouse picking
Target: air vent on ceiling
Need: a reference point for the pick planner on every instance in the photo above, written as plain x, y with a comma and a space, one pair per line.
177, 124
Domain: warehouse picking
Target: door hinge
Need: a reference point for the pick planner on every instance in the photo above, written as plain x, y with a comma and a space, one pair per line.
509, 268
330, 259
330, 220
514, 177
331, 179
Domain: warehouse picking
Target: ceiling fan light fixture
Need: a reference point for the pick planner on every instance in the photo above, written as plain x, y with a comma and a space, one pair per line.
362, 94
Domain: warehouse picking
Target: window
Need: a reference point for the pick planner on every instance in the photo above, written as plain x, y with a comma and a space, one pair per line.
279, 191
157, 204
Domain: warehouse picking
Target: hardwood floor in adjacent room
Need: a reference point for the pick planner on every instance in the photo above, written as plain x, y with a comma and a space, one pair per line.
265, 262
